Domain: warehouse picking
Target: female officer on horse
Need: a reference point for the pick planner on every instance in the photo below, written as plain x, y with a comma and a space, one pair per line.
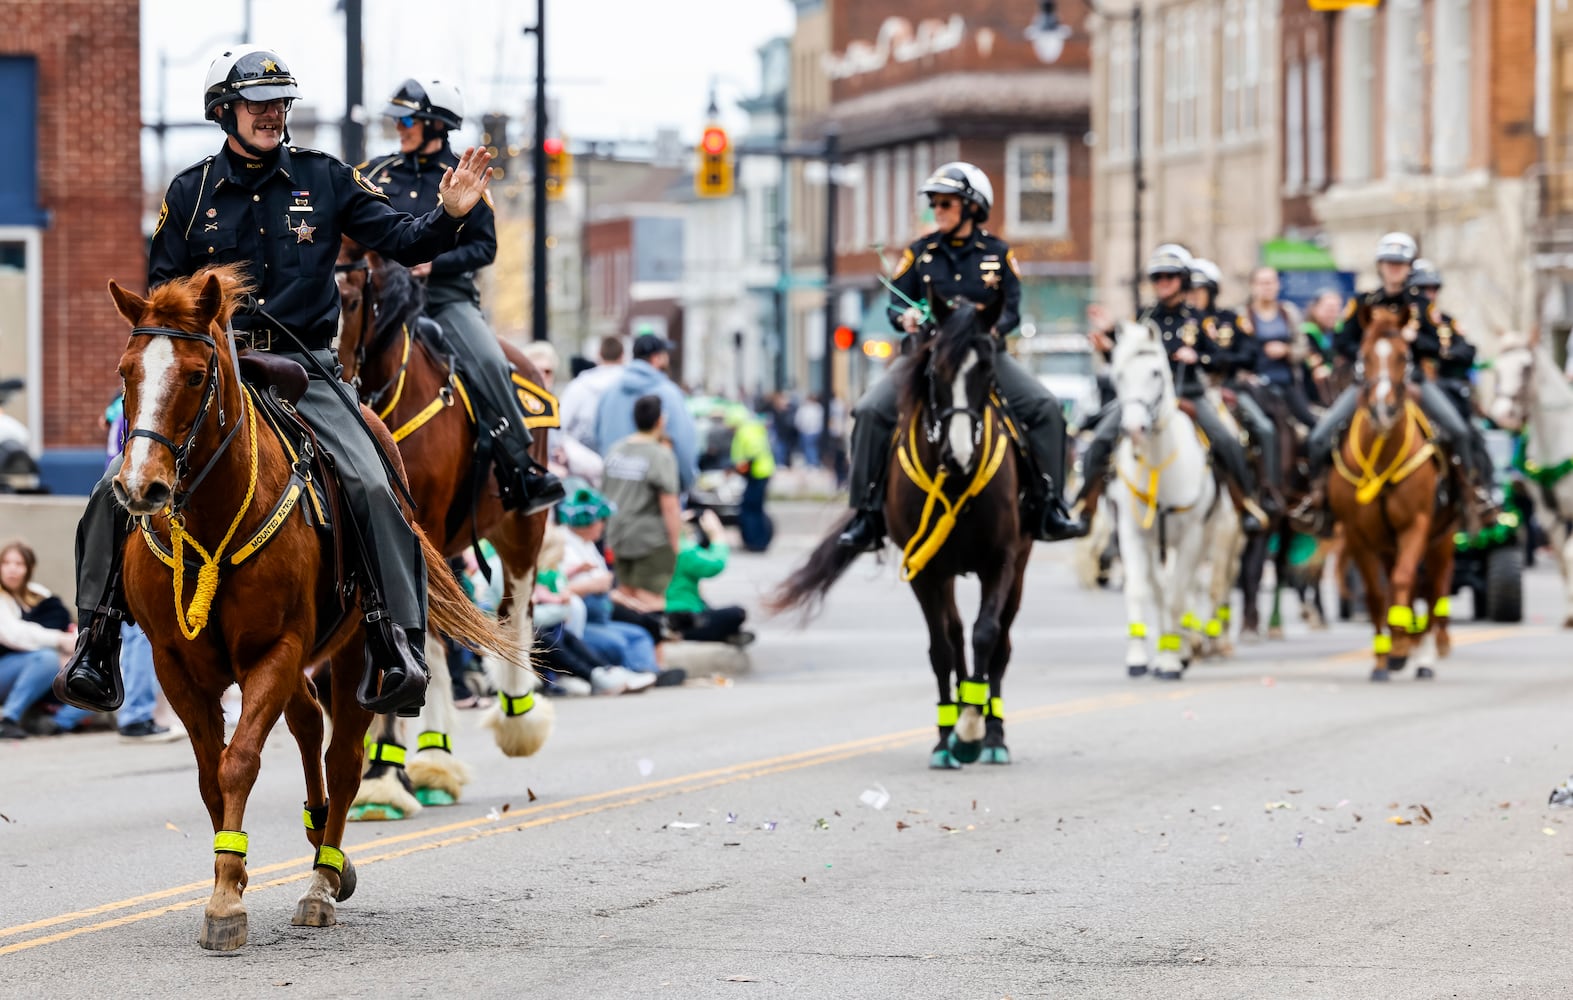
279, 210
424, 111
1190, 351
959, 259
1395, 257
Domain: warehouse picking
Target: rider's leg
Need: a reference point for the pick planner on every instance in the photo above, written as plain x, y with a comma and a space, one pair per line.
1265, 436
873, 423
1043, 427
1464, 444
1095, 465
1225, 447
1319, 452
1293, 396
395, 570
525, 485
91, 679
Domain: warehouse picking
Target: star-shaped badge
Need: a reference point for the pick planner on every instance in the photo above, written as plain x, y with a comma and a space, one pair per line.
303, 232
269, 66
992, 279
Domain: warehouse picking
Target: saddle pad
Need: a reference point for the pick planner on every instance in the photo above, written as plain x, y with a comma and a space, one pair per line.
540, 406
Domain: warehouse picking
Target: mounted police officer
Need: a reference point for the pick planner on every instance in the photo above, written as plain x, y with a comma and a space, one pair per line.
959, 259
1395, 257
1455, 358
1191, 351
279, 210
423, 111
1235, 361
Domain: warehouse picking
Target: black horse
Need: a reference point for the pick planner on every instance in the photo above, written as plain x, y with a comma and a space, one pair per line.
953, 505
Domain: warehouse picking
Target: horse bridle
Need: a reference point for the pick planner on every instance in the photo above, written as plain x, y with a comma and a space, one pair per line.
367, 308
182, 451
938, 417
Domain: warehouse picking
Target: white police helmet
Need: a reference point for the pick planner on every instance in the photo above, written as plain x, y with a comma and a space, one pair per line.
1397, 247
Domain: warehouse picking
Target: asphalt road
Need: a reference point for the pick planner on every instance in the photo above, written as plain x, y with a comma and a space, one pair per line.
1231, 835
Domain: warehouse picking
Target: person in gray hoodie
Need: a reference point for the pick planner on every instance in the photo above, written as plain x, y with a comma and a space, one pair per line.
645, 376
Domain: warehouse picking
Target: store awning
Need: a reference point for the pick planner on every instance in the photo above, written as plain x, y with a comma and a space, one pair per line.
1296, 255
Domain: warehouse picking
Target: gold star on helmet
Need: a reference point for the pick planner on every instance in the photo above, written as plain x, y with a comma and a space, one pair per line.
269, 66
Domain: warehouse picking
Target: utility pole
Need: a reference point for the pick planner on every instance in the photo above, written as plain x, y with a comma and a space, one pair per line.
354, 132
828, 376
1138, 180
538, 182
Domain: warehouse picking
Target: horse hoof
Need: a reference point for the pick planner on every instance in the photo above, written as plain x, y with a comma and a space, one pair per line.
368, 812
964, 752
347, 881
1396, 664
1185, 664
996, 755
1379, 675
1168, 675
434, 797
1136, 669
1276, 632
1424, 674
941, 760
313, 912
223, 933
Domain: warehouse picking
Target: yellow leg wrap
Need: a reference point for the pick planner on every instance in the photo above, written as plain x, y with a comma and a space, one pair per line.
997, 707
974, 693
386, 753
948, 714
316, 816
1190, 621
1169, 642
1382, 645
1214, 628
434, 741
329, 857
1137, 630
512, 706
1421, 621
1444, 607
230, 842
1225, 613
1401, 617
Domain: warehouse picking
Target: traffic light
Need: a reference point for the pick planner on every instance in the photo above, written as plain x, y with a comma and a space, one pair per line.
878, 349
845, 338
559, 168
713, 179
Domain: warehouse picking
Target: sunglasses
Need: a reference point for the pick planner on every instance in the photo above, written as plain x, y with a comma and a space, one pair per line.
944, 203
281, 105
408, 121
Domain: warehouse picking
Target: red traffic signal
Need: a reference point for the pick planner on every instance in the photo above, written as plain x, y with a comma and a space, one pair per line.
714, 141
845, 338
553, 147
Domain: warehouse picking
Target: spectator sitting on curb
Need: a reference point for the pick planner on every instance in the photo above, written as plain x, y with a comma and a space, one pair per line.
35, 632
585, 573
641, 485
646, 376
703, 556
560, 618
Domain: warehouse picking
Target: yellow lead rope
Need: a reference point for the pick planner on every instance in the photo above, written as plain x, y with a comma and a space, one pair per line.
194, 617
1369, 483
929, 539
404, 368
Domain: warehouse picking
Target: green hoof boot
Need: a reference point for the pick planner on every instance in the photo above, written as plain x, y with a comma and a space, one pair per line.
996, 755
941, 760
434, 797
964, 752
371, 812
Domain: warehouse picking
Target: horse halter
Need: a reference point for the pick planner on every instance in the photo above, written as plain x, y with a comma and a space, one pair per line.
935, 425
182, 451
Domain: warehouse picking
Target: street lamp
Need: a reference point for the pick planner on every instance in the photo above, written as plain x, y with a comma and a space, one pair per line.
1048, 36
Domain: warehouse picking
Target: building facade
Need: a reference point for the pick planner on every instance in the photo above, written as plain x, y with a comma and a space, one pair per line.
70, 219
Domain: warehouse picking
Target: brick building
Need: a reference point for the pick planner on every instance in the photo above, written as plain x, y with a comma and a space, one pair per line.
920, 83
70, 216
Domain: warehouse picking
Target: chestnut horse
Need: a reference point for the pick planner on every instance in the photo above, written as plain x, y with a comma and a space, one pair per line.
1386, 493
953, 507
262, 577
412, 389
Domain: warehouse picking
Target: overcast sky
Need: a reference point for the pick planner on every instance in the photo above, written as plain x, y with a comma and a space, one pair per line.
619, 68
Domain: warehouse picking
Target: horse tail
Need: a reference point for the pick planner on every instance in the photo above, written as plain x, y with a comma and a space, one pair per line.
807, 586
452, 613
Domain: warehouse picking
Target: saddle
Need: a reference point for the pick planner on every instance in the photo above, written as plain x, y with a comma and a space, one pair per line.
540, 406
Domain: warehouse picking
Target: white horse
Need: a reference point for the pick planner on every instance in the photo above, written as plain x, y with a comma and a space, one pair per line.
1533, 396
1170, 513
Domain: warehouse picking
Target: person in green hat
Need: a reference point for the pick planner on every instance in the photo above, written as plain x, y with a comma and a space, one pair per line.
753, 460
703, 557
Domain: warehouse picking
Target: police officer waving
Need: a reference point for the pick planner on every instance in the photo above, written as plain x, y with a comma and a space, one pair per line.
1191, 350
279, 210
424, 111
959, 260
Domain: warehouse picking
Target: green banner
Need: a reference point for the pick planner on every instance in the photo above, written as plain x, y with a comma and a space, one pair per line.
1295, 255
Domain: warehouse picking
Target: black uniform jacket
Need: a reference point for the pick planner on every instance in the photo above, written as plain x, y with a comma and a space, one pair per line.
1181, 326
1427, 344
282, 220
410, 181
980, 268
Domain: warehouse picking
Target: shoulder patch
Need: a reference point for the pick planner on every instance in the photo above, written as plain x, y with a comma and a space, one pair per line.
1243, 321
368, 185
1010, 258
905, 265
486, 196
163, 215
1350, 311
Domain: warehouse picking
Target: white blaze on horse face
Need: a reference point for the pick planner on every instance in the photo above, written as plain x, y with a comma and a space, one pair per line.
155, 389
1384, 381
960, 423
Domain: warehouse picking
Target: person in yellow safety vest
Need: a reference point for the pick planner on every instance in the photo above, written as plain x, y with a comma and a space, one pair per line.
753, 461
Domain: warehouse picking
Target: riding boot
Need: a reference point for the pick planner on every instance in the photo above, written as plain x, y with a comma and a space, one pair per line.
1055, 523
523, 484
396, 674
873, 423
90, 679
1095, 467
1484, 503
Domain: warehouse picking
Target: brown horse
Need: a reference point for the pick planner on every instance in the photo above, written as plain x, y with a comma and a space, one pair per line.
1386, 494
265, 597
413, 389
953, 507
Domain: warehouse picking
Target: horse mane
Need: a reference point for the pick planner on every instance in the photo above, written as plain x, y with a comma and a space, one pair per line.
941, 354
1384, 324
400, 298
1134, 339
175, 301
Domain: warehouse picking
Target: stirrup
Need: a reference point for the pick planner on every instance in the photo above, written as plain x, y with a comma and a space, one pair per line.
90, 679
395, 675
